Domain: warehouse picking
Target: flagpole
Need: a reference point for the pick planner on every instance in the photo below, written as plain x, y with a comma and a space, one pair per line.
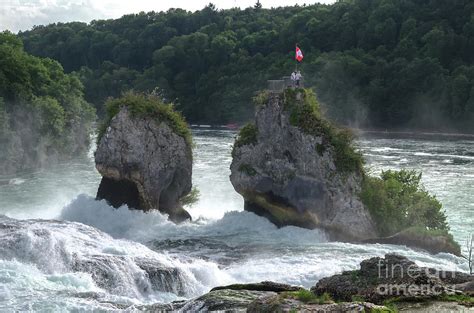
296, 59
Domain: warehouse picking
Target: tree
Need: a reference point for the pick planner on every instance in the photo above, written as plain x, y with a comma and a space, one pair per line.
390, 64
469, 256
42, 109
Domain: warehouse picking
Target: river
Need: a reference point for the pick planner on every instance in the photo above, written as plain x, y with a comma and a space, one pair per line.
39, 259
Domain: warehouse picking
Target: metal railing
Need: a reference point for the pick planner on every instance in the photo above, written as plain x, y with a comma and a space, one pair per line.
278, 85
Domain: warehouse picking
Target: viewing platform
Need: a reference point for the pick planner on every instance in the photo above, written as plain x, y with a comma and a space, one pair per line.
278, 85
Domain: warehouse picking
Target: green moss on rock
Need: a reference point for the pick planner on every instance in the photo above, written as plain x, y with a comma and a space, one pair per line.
142, 105
308, 297
247, 135
261, 98
305, 114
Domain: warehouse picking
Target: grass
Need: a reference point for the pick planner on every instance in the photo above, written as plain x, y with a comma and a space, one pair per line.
305, 114
461, 299
308, 297
142, 105
392, 304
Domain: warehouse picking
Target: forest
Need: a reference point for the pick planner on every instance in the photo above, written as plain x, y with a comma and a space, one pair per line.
43, 115
383, 64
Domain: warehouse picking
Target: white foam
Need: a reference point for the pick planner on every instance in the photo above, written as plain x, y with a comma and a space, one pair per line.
236, 227
262, 251
16, 181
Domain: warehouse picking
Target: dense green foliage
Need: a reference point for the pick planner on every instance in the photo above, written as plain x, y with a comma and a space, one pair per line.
247, 135
305, 114
43, 114
397, 201
381, 63
148, 105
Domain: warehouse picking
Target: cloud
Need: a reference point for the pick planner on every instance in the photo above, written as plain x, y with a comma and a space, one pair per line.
18, 15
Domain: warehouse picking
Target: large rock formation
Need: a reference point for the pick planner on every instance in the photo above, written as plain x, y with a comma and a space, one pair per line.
293, 167
145, 164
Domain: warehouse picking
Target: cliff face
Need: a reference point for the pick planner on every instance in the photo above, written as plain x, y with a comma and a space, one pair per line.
144, 164
287, 168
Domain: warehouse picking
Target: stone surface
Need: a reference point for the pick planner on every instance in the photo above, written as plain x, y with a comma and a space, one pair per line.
434, 306
284, 178
430, 243
281, 304
263, 286
393, 276
258, 298
145, 165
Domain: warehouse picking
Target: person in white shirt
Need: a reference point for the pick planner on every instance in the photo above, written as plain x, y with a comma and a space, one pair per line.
293, 78
298, 77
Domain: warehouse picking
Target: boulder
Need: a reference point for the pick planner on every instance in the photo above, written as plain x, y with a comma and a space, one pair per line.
394, 276
432, 243
290, 169
144, 164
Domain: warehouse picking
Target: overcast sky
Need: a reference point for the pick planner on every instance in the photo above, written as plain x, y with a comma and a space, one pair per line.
18, 15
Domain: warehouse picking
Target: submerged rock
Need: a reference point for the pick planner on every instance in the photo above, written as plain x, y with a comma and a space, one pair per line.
145, 163
294, 168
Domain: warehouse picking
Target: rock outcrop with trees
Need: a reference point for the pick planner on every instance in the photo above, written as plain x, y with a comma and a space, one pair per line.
295, 167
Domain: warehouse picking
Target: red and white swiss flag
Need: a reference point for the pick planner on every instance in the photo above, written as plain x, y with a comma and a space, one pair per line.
299, 54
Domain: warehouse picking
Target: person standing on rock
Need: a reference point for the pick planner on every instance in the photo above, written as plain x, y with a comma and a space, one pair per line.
298, 77
293, 78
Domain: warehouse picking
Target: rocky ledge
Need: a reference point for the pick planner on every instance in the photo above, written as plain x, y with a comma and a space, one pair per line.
263, 297
295, 168
145, 157
396, 277
381, 285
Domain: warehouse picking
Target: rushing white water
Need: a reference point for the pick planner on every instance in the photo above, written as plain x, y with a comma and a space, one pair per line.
39, 267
